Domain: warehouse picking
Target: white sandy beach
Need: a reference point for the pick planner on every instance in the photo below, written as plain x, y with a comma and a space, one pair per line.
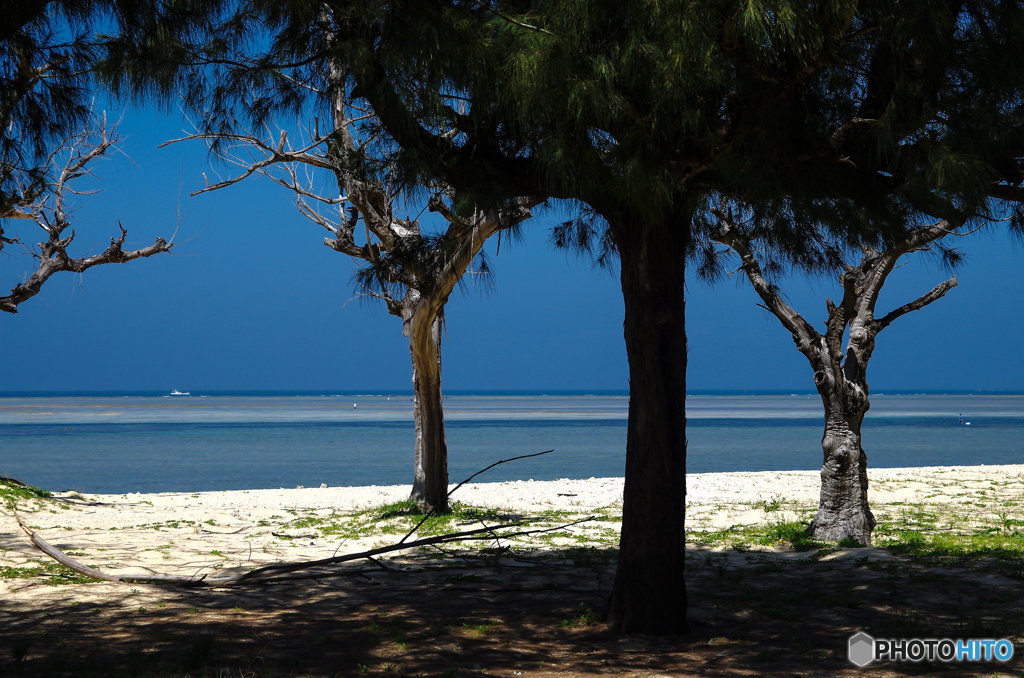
229, 531
212, 534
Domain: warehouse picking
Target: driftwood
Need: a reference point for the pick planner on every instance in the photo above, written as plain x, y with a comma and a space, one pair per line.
279, 572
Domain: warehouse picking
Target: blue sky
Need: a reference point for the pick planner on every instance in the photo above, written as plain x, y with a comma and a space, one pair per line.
251, 299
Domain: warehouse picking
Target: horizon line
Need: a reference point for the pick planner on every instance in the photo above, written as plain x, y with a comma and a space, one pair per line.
538, 392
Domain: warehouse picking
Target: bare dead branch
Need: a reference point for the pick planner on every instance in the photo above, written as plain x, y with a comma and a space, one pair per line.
498, 463
82, 149
483, 470
14, 213
59, 261
276, 572
935, 294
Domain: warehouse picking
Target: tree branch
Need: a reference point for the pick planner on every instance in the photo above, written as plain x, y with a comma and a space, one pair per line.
806, 337
53, 256
278, 570
936, 293
59, 261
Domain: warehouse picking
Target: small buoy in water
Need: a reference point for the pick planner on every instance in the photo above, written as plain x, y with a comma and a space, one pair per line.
967, 423
354, 406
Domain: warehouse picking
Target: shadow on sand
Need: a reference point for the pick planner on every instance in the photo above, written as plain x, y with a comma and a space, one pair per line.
751, 614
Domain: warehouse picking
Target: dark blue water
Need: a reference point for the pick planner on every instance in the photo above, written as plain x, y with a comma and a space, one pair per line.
151, 443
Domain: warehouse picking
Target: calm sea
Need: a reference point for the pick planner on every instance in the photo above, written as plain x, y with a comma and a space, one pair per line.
151, 443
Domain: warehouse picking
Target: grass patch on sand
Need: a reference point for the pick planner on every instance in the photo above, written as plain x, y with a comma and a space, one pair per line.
992, 544
12, 490
54, 573
786, 534
976, 540
934, 546
399, 518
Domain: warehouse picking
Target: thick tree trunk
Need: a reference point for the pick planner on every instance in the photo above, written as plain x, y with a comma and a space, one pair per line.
649, 592
430, 479
843, 511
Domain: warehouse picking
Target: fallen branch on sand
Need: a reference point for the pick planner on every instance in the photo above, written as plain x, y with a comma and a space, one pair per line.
281, 571
276, 572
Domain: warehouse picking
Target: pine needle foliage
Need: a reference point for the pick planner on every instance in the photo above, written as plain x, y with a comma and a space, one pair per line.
50, 53
824, 125
45, 55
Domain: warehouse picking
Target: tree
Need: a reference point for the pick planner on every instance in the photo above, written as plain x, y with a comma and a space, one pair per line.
840, 375
412, 272
48, 208
433, 77
47, 52
864, 113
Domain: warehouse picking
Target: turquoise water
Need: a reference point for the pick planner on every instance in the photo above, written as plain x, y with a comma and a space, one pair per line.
158, 443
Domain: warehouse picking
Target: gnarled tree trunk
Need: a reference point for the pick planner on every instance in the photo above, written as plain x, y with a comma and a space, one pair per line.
430, 466
841, 379
843, 511
649, 592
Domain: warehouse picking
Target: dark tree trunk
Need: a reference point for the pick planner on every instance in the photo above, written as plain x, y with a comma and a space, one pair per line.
430, 479
649, 592
843, 511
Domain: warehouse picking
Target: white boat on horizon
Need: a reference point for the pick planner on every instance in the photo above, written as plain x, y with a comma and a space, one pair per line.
176, 392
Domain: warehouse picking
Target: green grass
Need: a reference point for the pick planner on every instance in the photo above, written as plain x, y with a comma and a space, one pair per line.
407, 507
769, 505
53, 573
974, 532
949, 547
397, 519
912, 533
12, 490
586, 617
791, 534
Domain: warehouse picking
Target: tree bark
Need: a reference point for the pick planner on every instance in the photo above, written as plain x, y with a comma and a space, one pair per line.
649, 592
841, 379
843, 510
430, 473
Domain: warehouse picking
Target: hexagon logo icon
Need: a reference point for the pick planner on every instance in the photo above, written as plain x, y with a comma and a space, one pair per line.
861, 649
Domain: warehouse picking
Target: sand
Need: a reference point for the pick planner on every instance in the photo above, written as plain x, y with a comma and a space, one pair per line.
232, 531
525, 607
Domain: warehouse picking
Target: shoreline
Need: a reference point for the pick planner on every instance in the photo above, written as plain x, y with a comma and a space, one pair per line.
580, 493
